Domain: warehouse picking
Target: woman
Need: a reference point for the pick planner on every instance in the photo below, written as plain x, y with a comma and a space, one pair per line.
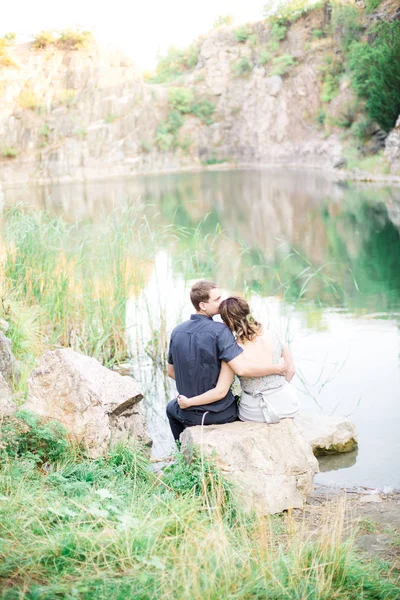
264, 399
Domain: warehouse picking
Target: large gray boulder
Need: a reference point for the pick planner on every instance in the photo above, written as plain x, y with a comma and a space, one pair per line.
8, 364
7, 406
327, 435
96, 405
272, 466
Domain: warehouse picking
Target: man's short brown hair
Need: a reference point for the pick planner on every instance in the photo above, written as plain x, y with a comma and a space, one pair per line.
200, 292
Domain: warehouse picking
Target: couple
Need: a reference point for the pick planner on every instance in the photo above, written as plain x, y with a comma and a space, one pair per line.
204, 355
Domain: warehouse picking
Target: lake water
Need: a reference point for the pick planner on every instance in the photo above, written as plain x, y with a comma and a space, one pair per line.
317, 260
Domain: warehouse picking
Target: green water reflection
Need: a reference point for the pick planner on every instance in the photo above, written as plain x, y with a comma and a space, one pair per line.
340, 250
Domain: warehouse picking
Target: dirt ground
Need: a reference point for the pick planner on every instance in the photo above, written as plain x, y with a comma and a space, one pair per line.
374, 517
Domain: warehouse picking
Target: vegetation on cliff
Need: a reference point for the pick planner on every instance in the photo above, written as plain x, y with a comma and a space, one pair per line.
359, 49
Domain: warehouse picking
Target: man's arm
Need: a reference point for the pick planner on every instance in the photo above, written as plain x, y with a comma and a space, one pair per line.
230, 352
220, 391
244, 367
171, 371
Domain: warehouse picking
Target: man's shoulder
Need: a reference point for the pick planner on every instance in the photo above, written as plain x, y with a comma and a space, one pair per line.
181, 327
207, 325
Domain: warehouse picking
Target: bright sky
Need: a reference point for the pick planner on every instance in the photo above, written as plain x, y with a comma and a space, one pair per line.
142, 28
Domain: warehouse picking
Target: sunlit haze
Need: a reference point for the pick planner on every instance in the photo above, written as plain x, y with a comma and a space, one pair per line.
141, 29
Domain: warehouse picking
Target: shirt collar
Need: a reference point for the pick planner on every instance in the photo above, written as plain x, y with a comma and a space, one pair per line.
197, 316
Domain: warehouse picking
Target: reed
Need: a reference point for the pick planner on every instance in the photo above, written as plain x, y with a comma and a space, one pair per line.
73, 280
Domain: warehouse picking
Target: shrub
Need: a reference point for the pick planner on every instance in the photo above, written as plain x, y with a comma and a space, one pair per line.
44, 39
213, 160
9, 38
44, 130
375, 73
204, 110
174, 63
278, 31
346, 24
291, 10
253, 40
146, 146
222, 20
26, 435
347, 115
330, 88
185, 143
191, 56
330, 74
110, 118
282, 64
9, 152
242, 67
27, 99
361, 129
273, 45
180, 99
73, 39
317, 34
167, 130
68, 97
242, 33
5, 41
265, 57
321, 117
371, 5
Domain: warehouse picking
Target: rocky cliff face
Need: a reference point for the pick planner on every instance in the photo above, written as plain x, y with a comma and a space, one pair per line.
88, 114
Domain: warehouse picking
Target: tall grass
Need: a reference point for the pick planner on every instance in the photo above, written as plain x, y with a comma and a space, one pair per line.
74, 279
108, 528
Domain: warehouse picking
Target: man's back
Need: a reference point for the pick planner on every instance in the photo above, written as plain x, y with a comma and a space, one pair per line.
196, 350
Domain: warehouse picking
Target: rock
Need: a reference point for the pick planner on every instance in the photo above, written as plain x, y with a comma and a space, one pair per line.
392, 148
327, 435
371, 498
340, 164
4, 325
95, 404
8, 366
7, 406
272, 465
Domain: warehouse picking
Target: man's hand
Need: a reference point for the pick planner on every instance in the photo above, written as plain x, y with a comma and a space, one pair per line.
281, 367
183, 401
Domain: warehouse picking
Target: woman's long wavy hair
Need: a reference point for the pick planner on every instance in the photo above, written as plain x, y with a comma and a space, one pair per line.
235, 312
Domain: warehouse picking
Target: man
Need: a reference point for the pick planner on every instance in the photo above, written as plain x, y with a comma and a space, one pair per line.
196, 350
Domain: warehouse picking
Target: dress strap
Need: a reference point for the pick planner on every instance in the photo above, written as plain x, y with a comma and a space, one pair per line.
268, 412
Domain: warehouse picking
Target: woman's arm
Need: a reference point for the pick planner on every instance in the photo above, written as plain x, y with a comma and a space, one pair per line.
220, 391
291, 370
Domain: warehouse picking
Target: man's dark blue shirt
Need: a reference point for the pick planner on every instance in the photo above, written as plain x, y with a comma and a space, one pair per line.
196, 350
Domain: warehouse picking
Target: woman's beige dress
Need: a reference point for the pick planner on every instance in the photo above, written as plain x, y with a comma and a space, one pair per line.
270, 398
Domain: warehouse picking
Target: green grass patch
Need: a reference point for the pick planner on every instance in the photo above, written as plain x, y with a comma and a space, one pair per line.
9, 152
173, 64
265, 57
242, 33
282, 64
278, 31
330, 74
372, 5
109, 528
242, 67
